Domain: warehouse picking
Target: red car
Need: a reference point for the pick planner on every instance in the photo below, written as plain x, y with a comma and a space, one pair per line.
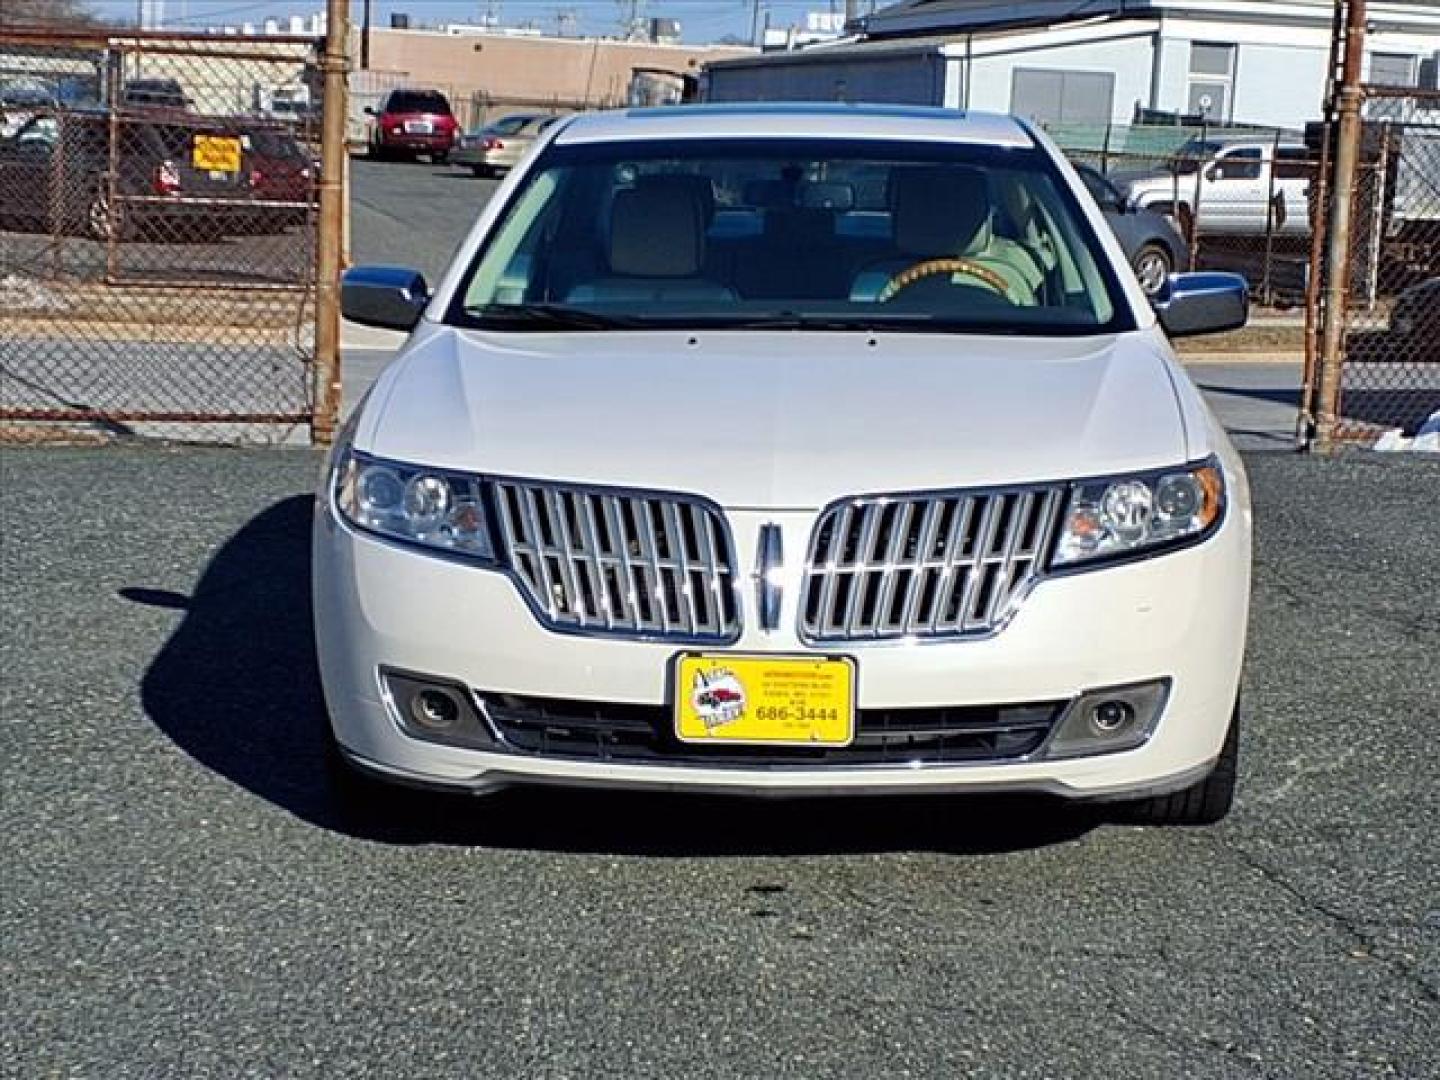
413, 122
280, 174
721, 696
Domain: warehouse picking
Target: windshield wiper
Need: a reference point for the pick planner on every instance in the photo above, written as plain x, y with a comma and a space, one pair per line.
794, 320
548, 317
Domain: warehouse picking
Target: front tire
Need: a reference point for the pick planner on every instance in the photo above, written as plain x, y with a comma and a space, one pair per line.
440, 157
1153, 264
1202, 803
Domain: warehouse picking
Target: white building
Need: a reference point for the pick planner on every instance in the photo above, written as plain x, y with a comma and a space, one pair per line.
1062, 62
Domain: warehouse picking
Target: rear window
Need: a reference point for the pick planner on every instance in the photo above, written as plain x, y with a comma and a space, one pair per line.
510, 125
421, 101
272, 143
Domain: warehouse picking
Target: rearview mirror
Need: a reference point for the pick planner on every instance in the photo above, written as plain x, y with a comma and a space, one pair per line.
390, 297
1205, 303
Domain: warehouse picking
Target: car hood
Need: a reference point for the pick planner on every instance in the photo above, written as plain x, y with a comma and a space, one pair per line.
776, 420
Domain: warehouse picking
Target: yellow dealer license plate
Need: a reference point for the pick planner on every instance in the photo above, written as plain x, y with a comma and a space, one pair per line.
216, 153
784, 701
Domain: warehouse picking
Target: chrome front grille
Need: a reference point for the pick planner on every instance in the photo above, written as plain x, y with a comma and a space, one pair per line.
632, 564
938, 565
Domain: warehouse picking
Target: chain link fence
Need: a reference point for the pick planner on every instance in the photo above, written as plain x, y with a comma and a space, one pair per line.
158, 230
1388, 377
1238, 199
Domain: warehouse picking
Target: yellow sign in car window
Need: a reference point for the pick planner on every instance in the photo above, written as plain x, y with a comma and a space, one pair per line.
217, 153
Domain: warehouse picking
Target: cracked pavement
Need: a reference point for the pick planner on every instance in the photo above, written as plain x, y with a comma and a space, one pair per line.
179, 899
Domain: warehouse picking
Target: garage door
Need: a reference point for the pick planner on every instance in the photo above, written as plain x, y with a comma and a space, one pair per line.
1068, 97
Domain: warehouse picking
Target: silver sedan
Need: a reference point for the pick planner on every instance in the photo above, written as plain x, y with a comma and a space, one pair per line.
496, 147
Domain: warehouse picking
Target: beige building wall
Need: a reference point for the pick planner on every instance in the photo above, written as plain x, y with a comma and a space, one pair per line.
574, 72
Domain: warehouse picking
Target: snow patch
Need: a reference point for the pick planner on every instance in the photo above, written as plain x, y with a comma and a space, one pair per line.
1424, 441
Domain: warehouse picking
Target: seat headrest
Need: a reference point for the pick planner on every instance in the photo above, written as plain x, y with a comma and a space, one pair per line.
656, 232
940, 210
699, 187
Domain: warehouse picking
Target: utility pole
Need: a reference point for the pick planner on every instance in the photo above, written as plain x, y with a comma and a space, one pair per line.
365, 38
630, 18
852, 11
755, 23
334, 65
1348, 98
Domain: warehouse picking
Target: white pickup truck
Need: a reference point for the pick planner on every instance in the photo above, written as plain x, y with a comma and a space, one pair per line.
1237, 188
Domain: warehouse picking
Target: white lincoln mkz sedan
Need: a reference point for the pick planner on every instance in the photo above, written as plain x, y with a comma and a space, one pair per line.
789, 450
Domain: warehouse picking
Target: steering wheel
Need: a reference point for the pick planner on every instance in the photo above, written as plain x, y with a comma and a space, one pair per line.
903, 279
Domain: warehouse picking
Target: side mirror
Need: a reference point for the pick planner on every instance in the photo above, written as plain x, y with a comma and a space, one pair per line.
370, 111
390, 297
1205, 303
1213, 172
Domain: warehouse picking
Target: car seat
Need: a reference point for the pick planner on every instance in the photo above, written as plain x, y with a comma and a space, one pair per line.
656, 249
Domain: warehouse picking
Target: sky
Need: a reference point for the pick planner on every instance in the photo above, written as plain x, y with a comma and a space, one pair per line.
701, 20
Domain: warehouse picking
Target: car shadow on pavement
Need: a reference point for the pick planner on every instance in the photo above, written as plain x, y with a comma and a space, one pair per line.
237, 688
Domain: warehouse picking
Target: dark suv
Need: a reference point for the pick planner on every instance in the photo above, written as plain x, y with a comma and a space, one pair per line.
58, 163
413, 122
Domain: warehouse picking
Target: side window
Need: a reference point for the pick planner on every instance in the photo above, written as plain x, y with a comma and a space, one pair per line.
1239, 165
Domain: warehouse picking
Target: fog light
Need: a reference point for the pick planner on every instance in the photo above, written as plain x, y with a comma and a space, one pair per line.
435, 709
1110, 716
1108, 720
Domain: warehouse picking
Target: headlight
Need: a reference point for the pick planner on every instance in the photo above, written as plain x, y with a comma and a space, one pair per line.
429, 507
1130, 514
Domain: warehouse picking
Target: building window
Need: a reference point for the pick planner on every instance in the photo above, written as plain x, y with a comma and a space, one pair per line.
1212, 80
1062, 97
1393, 69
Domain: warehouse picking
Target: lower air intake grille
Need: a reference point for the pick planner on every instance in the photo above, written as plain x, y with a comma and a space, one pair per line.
644, 734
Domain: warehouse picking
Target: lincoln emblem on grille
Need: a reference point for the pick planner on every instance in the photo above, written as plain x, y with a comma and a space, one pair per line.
769, 564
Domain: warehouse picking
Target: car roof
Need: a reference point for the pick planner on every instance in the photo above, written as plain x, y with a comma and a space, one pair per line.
821, 120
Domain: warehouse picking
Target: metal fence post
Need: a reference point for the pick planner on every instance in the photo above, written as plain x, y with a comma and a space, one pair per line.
1266, 292
334, 67
1337, 255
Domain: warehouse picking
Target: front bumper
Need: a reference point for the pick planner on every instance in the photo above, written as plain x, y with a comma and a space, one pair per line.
1180, 616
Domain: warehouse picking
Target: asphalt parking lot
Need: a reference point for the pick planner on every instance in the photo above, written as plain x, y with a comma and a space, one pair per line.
180, 899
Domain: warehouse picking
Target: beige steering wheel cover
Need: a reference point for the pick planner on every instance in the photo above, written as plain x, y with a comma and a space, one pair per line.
929, 267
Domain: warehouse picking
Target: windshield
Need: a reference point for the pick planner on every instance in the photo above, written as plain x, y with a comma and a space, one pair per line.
776, 234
